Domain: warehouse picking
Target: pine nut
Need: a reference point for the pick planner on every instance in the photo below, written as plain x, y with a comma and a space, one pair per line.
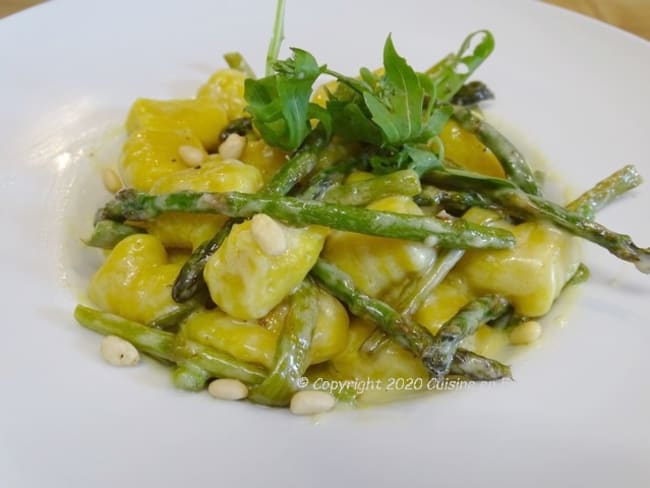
111, 180
311, 402
118, 352
269, 235
227, 389
191, 155
525, 333
232, 147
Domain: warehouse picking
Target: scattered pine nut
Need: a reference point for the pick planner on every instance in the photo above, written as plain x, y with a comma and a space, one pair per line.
232, 147
111, 180
269, 235
227, 389
191, 155
118, 352
311, 402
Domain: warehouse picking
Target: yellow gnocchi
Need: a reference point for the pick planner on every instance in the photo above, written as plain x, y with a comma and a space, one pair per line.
203, 117
376, 263
226, 87
135, 279
532, 274
247, 283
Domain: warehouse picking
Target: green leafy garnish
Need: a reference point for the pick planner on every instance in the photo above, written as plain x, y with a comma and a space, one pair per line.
452, 72
279, 104
392, 114
397, 107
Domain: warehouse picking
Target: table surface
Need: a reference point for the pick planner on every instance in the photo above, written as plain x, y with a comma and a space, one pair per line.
630, 15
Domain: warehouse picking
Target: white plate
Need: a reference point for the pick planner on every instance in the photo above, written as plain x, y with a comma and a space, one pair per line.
577, 414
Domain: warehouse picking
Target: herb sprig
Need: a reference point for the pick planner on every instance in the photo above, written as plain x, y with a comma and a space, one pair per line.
392, 112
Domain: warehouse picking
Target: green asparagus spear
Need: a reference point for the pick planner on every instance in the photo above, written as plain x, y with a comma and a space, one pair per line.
463, 324
169, 347
236, 61
190, 278
405, 331
518, 203
620, 245
416, 291
107, 233
325, 179
292, 352
457, 202
171, 320
216, 363
605, 191
242, 126
133, 205
155, 343
405, 182
298, 167
188, 376
472, 366
514, 164
472, 93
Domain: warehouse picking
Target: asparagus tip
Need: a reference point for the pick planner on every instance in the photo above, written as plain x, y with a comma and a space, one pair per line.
643, 264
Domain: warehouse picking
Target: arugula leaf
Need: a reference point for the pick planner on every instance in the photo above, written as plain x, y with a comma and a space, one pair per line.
351, 124
423, 160
436, 121
397, 109
402, 103
350, 119
450, 73
279, 104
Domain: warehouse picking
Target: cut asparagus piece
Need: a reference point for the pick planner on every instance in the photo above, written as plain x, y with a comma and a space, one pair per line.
156, 343
461, 325
405, 331
171, 320
514, 164
107, 233
457, 202
325, 179
190, 278
292, 353
606, 191
472, 93
358, 193
417, 290
169, 347
188, 376
242, 126
472, 366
